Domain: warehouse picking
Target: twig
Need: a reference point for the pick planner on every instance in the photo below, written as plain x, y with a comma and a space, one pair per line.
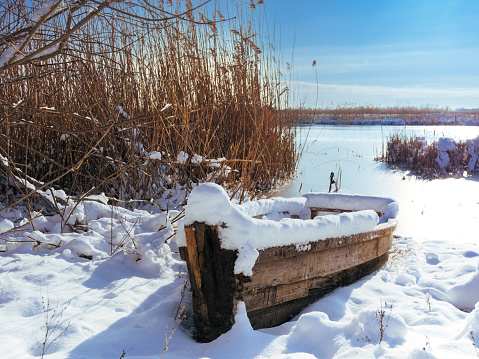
52, 321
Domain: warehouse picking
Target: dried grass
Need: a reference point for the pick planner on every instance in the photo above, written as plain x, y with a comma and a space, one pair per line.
123, 86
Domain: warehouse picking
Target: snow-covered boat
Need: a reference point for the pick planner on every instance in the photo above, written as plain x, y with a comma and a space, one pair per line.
277, 255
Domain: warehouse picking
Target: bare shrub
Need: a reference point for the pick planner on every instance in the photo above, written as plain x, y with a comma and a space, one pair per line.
471, 334
52, 325
424, 348
428, 300
425, 159
382, 317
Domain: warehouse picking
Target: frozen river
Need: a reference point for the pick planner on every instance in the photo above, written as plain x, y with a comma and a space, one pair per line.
429, 209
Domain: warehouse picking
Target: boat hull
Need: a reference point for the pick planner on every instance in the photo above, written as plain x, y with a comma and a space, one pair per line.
285, 279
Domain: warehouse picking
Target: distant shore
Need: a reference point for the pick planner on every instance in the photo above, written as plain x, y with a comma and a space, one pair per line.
425, 119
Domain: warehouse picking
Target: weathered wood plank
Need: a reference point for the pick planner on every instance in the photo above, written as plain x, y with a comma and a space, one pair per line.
277, 314
273, 295
385, 244
183, 253
193, 255
257, 297
308, 264
214, 299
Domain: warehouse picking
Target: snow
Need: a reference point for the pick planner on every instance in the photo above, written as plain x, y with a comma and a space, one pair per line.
465, 293
4, 160
445, 144
386, 206
123, 113
196, 159
5, 225
154, 155
473, 152
209, 203
427, 291
294, 206
448, 147
42, 11
182, 157
16, 104
7, 55
443, 160
167, 106
48, 51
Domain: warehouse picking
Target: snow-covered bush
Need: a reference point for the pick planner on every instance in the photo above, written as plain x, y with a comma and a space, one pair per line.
438, 159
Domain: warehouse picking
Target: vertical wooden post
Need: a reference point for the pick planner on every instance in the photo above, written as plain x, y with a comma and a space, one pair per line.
213, 283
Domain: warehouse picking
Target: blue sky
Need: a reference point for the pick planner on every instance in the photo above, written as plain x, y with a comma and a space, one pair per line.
387, 53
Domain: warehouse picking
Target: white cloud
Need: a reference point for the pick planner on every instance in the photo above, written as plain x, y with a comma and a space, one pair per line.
388, 95
393, 91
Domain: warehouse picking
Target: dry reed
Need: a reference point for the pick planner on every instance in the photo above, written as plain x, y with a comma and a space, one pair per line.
427, 160
139, 78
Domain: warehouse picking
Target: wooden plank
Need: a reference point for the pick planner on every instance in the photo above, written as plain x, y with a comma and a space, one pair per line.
311, 264
386, 243
279, 253
214, 302
277, 314
183, 253
193, 260
273, 295
255, 296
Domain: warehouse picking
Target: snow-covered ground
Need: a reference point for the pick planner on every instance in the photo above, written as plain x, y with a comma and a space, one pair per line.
113, 283
426, 294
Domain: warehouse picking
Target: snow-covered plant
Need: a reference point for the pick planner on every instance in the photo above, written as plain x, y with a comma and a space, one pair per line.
471, 334
438, 159
177, 320
382, 317
53, 325
424, 348
428, 300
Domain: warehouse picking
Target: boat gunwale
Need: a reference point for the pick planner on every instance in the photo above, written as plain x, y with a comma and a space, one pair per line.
278, 252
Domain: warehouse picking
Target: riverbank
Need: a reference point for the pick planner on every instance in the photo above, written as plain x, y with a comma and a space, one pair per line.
98, 280
414, 119
116, 285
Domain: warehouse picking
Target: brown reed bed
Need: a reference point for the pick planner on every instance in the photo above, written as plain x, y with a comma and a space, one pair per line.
156, 77
432, 160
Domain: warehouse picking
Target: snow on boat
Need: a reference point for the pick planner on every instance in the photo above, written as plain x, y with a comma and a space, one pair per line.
277, 255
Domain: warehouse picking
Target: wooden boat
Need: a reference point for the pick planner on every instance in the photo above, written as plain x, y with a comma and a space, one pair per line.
284, 278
